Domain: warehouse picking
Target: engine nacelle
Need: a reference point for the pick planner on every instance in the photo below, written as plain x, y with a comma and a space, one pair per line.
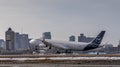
36, 44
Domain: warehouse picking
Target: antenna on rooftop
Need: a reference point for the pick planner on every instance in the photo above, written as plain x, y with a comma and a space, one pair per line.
119, 42
22, 30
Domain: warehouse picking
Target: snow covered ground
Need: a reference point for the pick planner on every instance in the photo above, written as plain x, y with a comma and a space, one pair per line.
65, 58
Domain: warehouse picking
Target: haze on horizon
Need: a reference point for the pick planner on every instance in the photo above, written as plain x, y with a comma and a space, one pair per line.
62, 17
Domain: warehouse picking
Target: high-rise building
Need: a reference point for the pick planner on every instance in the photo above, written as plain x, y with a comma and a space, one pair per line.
108, 45
2, 43
83, 38
24, 41
119, 44
9, 36
21, 41
17, 41
47, 35
89, 39
72, 38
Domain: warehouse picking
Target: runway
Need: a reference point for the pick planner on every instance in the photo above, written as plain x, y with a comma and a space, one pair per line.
58, 55
61, 59
54, 65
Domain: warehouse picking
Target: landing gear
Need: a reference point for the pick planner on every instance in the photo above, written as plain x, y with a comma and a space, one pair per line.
64, 51
98, 51
58, 52
68, 51
50, 47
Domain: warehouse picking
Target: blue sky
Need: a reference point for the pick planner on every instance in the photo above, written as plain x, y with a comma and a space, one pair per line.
62, 17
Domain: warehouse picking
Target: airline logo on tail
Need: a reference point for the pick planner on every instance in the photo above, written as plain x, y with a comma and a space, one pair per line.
96, 42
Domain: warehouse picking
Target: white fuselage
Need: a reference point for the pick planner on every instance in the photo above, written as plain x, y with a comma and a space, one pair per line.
78, 46
67, 45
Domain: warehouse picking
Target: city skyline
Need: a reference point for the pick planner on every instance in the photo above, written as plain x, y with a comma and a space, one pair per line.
62, 18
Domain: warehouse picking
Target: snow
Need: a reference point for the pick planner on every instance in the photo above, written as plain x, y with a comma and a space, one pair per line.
64, 58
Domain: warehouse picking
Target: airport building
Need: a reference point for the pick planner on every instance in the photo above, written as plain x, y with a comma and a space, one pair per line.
72, 38
83, 38
47, 35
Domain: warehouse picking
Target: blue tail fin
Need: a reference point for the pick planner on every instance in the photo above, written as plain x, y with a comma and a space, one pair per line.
96, 42
99, 38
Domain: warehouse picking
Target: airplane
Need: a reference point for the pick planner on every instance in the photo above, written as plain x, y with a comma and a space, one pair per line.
75, 46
